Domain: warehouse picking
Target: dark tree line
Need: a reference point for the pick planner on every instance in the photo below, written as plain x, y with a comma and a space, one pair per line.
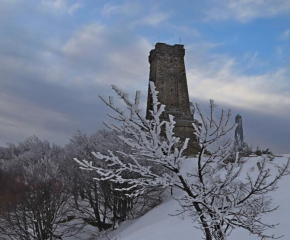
44, 194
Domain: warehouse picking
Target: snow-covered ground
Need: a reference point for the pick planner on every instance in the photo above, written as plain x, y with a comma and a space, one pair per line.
159, 224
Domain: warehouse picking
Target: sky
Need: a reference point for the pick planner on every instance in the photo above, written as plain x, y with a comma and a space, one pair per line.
57, 56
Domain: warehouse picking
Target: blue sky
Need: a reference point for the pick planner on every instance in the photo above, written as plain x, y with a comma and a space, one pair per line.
57, 56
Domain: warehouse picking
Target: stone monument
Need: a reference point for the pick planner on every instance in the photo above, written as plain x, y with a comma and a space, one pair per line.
167, 71
239, 130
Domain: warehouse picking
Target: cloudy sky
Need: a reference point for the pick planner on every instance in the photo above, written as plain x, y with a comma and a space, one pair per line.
57, 56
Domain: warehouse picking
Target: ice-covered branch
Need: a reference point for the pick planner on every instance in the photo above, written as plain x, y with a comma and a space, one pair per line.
213, 192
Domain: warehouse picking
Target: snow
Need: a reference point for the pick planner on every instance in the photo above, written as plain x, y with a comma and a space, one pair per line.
159, 224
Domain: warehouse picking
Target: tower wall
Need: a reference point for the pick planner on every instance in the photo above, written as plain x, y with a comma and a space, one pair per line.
167, 71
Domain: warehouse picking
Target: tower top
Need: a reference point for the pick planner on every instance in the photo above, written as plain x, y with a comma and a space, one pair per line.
160, 45
166, 49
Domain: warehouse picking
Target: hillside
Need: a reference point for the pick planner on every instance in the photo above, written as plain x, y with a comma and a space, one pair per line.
158, 224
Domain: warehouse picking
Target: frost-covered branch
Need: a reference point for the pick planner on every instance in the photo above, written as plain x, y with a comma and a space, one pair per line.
214, 192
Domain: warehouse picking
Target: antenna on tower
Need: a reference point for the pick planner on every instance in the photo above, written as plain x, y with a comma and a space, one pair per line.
158, 38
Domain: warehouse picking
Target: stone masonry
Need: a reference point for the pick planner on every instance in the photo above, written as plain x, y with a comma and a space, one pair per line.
167, 71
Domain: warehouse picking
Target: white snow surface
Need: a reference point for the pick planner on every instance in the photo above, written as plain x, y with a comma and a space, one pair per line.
159, 224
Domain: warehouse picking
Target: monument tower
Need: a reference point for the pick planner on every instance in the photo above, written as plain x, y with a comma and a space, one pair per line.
167, 71
239, 134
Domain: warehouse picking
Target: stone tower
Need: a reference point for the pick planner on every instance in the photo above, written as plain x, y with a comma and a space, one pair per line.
167, 71
239, 129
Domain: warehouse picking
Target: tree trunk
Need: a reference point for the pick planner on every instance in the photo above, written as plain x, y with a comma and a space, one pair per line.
208, 235
205, 226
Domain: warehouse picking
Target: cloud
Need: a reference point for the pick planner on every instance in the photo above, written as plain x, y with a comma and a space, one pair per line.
263, 99
128, 9
183, 30
251, 60
51, 84
21, 118
247, 10
5, 3
32, 102
8, 8
110, 9
134, 14
60, 6
107, 56
72, 9
54, 4
223, 81
152, 19
285, 35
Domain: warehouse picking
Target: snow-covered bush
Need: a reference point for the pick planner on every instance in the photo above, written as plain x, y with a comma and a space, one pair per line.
98, 202
35, 198
218, 199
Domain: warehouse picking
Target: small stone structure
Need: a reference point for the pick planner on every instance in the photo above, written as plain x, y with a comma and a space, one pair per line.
167, 71
239, 130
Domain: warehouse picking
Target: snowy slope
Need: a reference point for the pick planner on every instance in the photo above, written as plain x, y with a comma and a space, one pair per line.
157, 224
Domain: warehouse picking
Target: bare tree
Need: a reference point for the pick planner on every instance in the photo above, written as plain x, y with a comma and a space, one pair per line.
35, 196
218, 199
99, 203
